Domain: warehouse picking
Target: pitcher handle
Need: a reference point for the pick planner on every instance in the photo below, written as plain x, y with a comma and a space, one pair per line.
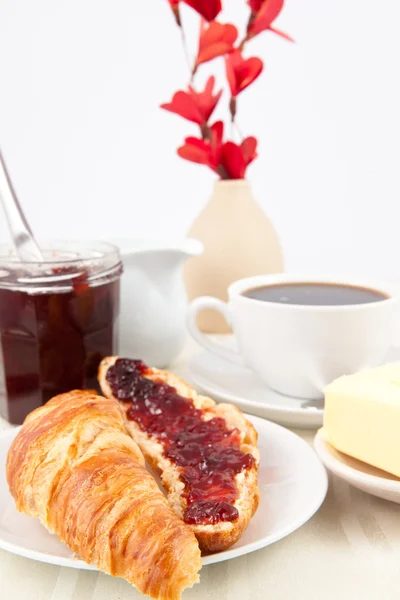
208, 302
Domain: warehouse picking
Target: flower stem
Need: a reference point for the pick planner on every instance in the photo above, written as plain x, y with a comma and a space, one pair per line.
222, 173
186, 52
248, 35
233, 107
239, 131
205, 131
175, 10
251, 20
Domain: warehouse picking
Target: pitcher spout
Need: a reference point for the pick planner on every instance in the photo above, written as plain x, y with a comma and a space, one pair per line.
158, 259
191, 247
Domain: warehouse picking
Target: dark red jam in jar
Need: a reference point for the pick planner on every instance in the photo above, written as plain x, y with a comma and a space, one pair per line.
207, 451
58, 319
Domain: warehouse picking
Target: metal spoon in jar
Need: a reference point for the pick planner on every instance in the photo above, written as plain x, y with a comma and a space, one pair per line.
22, 236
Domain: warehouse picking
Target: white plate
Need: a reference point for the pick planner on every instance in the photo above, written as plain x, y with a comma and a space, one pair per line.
292, 481
228, 382
359, 474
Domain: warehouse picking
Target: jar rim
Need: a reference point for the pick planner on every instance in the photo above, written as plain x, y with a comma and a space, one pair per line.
65, 261
8, 253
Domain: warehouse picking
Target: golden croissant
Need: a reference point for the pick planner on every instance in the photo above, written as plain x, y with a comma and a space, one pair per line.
74, 466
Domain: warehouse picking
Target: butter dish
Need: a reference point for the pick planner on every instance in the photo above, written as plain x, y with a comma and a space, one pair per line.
360, 440
358, 474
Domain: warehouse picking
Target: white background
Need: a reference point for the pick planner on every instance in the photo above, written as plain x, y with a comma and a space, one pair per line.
92, 155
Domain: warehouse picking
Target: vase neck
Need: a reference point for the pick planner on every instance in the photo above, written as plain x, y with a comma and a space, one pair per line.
232, 190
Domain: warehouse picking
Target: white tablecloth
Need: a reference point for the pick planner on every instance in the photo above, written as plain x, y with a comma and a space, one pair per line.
349, 550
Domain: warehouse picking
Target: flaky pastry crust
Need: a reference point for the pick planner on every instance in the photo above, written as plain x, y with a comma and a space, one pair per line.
74, 467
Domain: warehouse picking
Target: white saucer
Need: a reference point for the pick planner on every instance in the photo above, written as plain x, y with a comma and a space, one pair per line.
360, 475
292, 482
228, 382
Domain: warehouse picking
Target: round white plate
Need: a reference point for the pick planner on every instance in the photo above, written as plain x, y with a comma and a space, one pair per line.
292, 481
228, 382
359, 474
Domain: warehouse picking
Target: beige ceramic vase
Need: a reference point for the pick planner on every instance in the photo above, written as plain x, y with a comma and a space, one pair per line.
239, 241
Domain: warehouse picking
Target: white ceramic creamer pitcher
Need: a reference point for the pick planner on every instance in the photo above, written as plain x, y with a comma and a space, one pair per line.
153, 299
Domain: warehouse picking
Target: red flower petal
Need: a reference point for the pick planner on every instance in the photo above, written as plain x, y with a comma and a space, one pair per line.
216, 137
218, 32
232, 160
231, 63
282, 34
217, 134
241, 72
209, 88
208, 9
212, 51
255, 5
215, 40
195, 106
185, 105
196, 151
199, 143
205, 100
249, 149
265, 16
248, 72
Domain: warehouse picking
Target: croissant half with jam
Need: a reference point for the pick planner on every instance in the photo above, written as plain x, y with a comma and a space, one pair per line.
206, 454
74, 467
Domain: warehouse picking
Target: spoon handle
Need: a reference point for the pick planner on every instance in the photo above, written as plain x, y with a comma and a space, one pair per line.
22, 236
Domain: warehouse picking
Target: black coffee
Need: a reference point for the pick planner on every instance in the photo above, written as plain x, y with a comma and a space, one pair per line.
315, 294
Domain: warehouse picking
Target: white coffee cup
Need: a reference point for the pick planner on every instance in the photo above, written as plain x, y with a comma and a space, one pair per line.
298, 349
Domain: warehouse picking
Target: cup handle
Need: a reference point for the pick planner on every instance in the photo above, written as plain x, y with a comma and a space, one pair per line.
211, 303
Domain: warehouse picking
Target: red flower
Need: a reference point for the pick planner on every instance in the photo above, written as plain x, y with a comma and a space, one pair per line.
227, 159
195, 106
207, 151
232, 160
185, 105
216, 39
266, 11
208, 9
197, 151
241, 72
205, 100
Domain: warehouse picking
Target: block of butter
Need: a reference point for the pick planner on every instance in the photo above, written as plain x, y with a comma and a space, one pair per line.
362, 416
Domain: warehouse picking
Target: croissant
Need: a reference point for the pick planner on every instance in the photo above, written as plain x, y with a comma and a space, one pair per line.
74, 467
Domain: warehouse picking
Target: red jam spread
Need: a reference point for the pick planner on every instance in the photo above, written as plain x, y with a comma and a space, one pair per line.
52, 342
207, 452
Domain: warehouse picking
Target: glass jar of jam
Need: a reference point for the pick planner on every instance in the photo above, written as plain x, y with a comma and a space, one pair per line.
58, 319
